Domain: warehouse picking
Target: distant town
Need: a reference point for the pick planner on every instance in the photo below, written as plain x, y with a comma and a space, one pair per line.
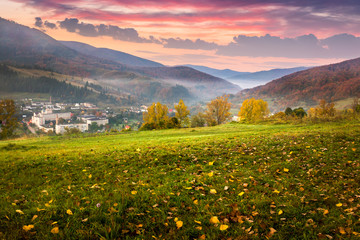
58, 117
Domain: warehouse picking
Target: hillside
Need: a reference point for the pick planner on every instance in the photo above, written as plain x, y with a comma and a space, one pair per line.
116, 56
253, 181
40, 51
331, 82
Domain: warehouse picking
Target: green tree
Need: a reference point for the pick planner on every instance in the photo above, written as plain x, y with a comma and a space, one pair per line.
8, 121
198, 120
253, 110
288, 111
182, 113
218, 111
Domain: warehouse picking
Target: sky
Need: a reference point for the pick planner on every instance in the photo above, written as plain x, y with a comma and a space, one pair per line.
243, 35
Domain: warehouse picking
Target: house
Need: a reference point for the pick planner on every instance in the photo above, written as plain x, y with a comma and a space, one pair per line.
99, 121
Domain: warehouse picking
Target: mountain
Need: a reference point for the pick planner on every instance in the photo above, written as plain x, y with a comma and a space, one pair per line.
25, 47
224, 73
116, 56
254, 79
305, 88
247, 79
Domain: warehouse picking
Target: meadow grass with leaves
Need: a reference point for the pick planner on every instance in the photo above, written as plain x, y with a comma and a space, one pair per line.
233, 181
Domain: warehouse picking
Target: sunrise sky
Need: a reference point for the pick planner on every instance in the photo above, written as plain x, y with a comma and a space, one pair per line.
241, 35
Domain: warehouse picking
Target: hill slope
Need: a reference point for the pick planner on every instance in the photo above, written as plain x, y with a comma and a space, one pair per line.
36, 49
116, 56
331, 82
138, 185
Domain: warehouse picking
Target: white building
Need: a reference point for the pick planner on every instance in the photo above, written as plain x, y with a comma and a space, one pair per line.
61, 129
48, 115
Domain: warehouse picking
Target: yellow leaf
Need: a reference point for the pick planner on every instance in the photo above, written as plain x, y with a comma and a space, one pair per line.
69, 212
54, 223
34, 217
133, 192
242, 193
176, 219
55, 230
39, 210
223, 227
179, 224
286, 170
339, 204
188, 188
90, 176
354, 149
51, 201
341, 230
199, 228
280, 212
115, 204
198, 222
211, 174
19, 211
28, 227
276, 191
211, 163
213, 191
196, 202
202, 237
47, 205
214, 220
326, 212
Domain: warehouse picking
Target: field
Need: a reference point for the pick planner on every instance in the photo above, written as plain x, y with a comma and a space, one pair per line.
233, 181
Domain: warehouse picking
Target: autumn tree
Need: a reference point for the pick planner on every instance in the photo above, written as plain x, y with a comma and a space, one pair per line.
218, 111
156, 117
323, 110
8, 121
182, 113
253, 110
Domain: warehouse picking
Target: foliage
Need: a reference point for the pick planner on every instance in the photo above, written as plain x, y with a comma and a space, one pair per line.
182, 113
8, 121
253, 181
156, 117
218, 111
253, 110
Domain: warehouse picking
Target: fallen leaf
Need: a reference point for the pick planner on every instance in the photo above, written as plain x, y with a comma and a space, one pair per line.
341, 230
202, 237
326, 211
179, 224
69, 212
133, 192
223, 227
211, 163
196, 202
213, 191
286, 170
28, 227
211, 174
280, 212
19, 211
339, 204
240, 194
34, 217
198, 222
214, 220
55, 230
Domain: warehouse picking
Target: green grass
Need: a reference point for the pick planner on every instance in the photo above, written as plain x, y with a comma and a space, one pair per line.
291, 178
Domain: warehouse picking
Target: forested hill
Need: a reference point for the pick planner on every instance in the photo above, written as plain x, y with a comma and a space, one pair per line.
11, 81
331, 82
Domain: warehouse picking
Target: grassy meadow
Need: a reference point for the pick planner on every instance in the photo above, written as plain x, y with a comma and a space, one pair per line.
233, 181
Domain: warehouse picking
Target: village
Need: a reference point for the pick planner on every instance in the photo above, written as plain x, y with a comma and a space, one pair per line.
59, 118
